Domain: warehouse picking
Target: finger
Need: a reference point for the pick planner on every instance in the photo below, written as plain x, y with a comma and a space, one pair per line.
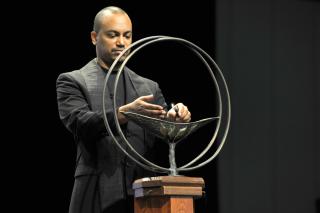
154, 113
147, 98
162, 116
171, 115
183, 110
185, 118
149, 106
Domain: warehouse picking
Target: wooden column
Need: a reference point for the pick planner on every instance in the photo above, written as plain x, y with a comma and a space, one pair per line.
167, 194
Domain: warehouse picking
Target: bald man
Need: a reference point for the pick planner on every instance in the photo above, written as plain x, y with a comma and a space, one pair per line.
103, 175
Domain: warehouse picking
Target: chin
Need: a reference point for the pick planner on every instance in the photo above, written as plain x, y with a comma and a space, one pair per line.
122, 58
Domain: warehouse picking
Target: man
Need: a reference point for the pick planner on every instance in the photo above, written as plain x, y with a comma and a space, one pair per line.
103, 175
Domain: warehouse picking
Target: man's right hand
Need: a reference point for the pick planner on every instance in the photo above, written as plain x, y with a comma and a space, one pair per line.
142, 106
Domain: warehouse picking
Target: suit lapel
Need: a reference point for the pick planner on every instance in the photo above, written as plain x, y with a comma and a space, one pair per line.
94, 77
135, 86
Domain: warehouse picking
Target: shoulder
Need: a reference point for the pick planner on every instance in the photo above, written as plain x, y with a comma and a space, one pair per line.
69, 81
76, 75
72, 76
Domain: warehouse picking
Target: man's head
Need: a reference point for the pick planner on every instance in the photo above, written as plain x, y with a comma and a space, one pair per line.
112, 33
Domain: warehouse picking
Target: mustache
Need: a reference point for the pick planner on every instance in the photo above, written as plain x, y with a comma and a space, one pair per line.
115, 50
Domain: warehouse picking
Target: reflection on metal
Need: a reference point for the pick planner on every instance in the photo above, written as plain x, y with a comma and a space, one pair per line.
171, 132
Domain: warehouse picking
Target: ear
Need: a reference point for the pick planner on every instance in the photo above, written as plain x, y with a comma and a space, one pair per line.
94, 37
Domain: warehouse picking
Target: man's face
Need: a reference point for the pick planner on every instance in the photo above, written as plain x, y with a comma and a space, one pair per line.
114, 36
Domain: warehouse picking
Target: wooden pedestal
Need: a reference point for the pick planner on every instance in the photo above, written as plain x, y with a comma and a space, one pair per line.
166, 194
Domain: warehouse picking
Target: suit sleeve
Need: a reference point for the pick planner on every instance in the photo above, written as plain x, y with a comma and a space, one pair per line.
75, 112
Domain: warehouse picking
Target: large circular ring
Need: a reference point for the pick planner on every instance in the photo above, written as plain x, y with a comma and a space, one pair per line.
143, 162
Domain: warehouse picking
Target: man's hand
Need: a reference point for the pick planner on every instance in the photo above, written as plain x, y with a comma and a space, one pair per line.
179, 113
142, 106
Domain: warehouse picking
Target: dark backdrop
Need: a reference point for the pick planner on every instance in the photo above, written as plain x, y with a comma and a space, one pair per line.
271, 51
54, 37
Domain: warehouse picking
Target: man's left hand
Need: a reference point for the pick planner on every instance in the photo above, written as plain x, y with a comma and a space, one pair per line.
179, 113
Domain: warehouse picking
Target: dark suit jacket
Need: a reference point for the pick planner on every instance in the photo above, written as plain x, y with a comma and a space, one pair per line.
103, 174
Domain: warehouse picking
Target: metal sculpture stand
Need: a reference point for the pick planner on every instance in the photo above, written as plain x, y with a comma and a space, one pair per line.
167, 194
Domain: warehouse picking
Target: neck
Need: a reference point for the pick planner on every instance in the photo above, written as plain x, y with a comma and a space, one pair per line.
104, 65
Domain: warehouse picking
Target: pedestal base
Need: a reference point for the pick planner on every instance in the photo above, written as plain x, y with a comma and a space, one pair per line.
167, 194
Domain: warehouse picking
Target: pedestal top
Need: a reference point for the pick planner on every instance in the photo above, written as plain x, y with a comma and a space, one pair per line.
168, 181
169, 186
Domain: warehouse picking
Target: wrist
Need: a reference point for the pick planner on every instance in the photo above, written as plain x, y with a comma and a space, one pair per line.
121, 118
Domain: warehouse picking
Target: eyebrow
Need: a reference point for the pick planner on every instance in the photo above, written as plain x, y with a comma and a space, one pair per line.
117, 32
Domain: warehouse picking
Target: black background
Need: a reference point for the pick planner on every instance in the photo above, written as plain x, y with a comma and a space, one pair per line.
45, 39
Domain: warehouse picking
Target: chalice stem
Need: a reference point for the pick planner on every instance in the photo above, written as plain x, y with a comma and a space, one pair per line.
172, 159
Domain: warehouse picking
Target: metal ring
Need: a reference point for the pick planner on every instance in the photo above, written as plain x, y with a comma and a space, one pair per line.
200, 53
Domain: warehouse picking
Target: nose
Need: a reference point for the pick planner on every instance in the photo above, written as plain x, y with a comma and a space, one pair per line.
120, 41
